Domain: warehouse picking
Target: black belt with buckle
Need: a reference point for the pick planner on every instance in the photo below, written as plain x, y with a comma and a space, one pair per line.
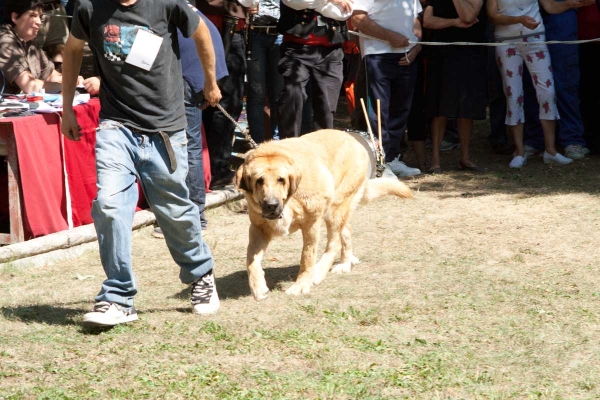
269, 30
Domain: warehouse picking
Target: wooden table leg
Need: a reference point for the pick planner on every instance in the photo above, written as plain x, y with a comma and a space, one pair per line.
14, 190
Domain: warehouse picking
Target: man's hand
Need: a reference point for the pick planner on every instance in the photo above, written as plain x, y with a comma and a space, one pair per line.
80, 80
410, 56
69, 126
397, 40
212, 94
459, 23
344, 5
92, 85
529, 22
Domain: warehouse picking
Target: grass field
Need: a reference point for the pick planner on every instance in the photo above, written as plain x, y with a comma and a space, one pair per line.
481, 287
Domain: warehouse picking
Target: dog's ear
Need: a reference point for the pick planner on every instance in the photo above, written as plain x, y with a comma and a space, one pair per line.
241, 180
294, 177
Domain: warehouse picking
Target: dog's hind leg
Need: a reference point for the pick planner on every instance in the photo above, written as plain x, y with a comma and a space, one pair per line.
335, 237
347, 259
310, 238
256, 250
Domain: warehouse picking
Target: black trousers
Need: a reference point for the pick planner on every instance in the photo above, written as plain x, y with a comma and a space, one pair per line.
324, 68
589, 87
218, 128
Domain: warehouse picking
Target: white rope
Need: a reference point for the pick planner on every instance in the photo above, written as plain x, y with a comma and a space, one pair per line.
482, 44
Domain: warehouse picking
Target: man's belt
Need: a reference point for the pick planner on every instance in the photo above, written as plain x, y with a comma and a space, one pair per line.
229, 25
269, 30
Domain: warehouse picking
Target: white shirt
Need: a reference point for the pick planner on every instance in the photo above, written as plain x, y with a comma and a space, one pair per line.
515, 8
395, 15
323, 7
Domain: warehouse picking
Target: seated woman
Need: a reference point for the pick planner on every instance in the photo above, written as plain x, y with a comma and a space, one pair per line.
520, 24
26, 67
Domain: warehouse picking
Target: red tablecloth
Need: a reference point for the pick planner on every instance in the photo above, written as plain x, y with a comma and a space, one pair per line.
43, 183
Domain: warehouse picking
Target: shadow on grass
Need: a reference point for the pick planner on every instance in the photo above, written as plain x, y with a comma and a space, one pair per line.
44, 314
235, 285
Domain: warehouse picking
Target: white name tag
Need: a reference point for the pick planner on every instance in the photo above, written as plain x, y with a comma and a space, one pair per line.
144, 50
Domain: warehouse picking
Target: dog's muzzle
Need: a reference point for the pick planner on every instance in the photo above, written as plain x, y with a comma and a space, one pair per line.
272, 209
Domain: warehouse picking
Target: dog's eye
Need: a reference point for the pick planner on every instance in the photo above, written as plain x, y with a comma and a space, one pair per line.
280, 180
260, 181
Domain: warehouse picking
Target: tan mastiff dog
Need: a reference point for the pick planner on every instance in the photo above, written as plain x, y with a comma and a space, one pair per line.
299, 183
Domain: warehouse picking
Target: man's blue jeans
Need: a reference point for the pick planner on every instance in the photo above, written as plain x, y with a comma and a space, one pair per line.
124, 157
263, 78
195, 176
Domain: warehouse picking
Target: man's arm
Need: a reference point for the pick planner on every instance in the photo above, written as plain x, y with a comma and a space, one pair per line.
72, 57
430, 21
362, 22
29, 84
468, 10
557, 7
206, 53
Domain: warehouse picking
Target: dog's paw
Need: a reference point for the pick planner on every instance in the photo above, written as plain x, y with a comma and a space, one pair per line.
298, 288
319, 276
354, 260
260, 293
342, 268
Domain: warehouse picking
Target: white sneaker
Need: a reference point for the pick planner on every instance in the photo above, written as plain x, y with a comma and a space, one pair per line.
556, 159
576, 151
109, 314
204, 296
518, 162
402, 170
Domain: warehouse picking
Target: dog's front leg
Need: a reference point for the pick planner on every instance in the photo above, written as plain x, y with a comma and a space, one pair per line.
256, 250
310, 238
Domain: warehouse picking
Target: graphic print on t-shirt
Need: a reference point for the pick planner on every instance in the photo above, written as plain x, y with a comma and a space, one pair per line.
118, 40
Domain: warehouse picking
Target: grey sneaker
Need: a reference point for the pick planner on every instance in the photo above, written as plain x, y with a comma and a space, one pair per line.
107, 314
204, 296
402, 170
447, 146
157, 233
531, 151
576, 151
556, 159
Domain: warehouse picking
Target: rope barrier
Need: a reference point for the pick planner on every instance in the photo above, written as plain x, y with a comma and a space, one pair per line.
481, 44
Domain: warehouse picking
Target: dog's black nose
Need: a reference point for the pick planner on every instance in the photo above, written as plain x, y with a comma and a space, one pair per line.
270, 206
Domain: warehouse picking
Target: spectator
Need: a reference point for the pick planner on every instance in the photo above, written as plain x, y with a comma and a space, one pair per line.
311, 50
193, 98
228, 17
564, 59
26, 67
141, 137
522, 24
264, 81
54, 32
456, 76
589, 28
391, 67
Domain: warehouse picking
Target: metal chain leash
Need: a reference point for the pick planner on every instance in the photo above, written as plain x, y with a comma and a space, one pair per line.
245, 132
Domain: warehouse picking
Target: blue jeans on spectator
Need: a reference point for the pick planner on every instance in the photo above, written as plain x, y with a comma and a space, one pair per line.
124, 157
565, 68
394, 86
263, 78
195, 176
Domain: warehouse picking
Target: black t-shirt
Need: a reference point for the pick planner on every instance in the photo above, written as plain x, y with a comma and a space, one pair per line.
142, 100
446, 9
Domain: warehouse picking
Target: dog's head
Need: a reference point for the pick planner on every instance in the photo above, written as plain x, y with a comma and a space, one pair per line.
270, 179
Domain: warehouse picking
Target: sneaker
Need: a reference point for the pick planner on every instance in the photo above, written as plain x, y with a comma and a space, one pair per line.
518, 162
556, 159
107, 314
157, 233
223, 180
402, 170
447, 146
576, 151
204, 297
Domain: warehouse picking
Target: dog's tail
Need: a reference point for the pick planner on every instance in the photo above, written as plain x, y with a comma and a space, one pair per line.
379, 187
